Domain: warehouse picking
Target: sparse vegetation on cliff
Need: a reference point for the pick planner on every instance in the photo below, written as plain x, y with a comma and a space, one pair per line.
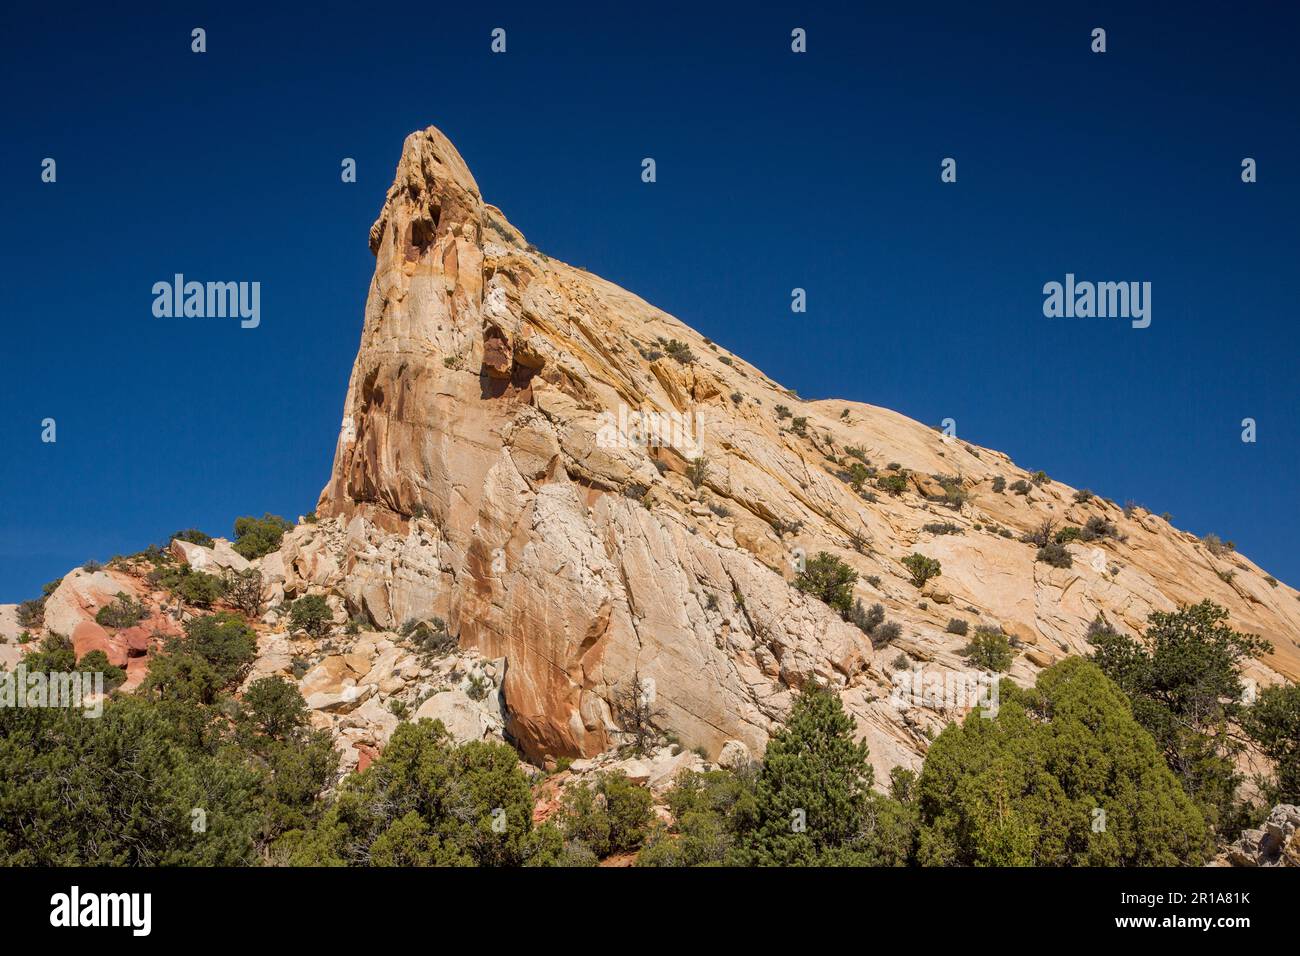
828, 578
989, 650
255, 537
922, 568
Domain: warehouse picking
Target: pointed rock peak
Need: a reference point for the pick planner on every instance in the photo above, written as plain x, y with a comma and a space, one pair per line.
429, 159
432, 191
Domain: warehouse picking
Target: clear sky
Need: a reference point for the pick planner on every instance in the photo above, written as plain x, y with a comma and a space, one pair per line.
775, 170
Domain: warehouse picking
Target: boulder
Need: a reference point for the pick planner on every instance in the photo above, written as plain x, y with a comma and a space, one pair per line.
1275, 843
137, 669
88, 636
375, 718
346, 699
79, 597
272, 568
220, 557
330, 676
734, 755
139, 639
658, 770
464, 718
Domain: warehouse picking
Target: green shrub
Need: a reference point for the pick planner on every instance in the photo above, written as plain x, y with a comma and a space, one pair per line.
255, 537
31, 614
128, 782
989, 650
1097, 528
678, 351
428, 802
954, 492
886, 633
857, 474
866, 620
944, 527
922, 568
192, 587
707, 809
999, 484
96, 662
431, 637
193, 536
54, 653
223, 640
1274, 724
1055, 554
274, 709
243, 589
611, 817
312, 614
957, 626
479, 687
1184, 681
813, 772
1025, 787
697, 470
892, 484
1217, 546
828, 578
122, 611
1020, 486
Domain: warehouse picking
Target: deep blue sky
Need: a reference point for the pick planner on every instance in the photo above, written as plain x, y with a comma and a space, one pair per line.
775, 170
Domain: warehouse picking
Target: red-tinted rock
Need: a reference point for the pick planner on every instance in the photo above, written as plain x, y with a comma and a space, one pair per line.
139, 640
366, 755
89, 636
137, 668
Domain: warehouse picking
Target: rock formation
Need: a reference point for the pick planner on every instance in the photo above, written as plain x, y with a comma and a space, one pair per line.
1273, 843
585, 488
600, 505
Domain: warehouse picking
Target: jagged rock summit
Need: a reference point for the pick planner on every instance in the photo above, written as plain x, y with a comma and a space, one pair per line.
493, 470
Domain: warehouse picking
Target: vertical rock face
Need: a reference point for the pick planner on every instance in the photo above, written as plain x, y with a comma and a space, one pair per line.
577, 482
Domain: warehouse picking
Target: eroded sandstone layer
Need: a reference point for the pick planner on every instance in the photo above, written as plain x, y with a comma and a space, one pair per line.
482, 476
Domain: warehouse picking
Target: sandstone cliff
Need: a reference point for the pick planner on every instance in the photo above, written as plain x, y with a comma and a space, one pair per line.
485, 474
